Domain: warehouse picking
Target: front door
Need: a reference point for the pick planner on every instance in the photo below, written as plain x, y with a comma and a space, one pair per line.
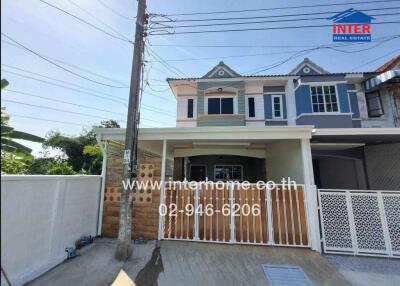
197, 173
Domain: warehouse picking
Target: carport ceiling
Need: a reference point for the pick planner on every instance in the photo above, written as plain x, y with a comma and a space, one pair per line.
370, 139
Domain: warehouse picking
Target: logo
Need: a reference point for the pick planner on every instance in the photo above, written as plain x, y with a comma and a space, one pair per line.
351, 26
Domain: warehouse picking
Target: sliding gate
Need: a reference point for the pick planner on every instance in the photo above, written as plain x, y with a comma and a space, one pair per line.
360, 222
234, 214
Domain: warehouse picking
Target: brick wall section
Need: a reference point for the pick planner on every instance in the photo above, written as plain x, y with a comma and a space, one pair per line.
383, 166
145, 212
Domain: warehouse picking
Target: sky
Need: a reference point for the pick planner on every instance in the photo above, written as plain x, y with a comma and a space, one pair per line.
99, 57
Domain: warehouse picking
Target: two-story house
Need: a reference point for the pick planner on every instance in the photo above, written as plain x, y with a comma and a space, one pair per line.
309, 125
334, 104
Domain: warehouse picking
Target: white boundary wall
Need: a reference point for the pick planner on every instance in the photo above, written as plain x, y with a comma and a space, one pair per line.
40, 217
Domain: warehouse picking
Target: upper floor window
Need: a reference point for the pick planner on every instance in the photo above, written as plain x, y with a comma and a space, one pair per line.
190, 108
277, 110
374, 104
220, 105
252, 108
324, 98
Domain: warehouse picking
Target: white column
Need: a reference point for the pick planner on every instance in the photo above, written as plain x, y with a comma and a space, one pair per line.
162, 191
232, 218
290, 102
310, 192
103, 185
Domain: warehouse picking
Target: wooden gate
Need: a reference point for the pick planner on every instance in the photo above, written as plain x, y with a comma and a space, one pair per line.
233, 213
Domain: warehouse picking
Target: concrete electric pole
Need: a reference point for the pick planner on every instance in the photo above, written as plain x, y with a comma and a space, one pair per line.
124, 248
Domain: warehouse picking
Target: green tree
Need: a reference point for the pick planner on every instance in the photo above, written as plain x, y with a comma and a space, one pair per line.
83, 153
11, 164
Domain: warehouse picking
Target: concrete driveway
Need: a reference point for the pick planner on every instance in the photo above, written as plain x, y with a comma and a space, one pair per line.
188, 263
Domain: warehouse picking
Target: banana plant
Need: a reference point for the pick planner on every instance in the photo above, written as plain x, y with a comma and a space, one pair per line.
9, 134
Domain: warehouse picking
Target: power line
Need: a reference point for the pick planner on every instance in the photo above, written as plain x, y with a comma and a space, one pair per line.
144, 106
257, 29
70, 65
164, 63
55, 121
98, 19
58, 80
332, 47
281, 8
158, 96
67, 87
263, 22
124, 39
265, 16
59, 66
72, 112
115, 11
55, 109
47, 120
376, 59
61, 101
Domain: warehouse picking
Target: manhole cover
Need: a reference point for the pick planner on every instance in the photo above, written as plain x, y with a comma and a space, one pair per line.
283, 275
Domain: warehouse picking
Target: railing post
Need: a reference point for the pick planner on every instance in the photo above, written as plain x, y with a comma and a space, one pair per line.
162, 190
232, 224
385, 226
269, 217
196, 214
351, 222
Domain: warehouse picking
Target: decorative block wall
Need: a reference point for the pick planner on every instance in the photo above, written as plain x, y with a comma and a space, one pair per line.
145, 201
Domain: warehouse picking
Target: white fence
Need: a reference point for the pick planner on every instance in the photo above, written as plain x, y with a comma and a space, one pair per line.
234, 214
40, 217
360, 222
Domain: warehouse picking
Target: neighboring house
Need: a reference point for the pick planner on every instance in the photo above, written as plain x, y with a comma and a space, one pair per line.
381, 107
306, 125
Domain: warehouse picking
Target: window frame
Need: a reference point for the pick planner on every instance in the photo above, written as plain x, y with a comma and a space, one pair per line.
368, 104
280, 96
324, 99
253, 113
220, 104
228, 165
190, 114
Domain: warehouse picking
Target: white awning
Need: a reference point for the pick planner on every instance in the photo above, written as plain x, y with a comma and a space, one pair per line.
375, 81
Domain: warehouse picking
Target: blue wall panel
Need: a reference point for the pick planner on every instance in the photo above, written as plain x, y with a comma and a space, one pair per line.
303, 100
354, 104
343, 98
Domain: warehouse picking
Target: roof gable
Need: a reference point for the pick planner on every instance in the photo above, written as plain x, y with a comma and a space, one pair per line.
352, 16
307, 67
221, 71
391, 64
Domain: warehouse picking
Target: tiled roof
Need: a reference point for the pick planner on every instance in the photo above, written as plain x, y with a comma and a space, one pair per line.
274, 75
388, 65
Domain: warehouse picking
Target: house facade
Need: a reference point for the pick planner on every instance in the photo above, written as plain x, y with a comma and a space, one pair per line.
308, 95
334, 104
308, 126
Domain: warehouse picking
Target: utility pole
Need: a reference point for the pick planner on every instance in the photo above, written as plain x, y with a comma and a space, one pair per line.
124, 248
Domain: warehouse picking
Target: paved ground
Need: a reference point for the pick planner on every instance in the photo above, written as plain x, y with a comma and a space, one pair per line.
189, 263
360, 271
96, 265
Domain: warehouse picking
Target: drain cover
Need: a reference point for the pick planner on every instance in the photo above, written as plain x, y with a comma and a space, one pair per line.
283, 275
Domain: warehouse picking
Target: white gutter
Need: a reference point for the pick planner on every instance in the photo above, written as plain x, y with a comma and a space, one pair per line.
356, 131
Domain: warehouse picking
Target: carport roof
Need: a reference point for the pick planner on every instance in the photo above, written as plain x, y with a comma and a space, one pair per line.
369, 136
210, 133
